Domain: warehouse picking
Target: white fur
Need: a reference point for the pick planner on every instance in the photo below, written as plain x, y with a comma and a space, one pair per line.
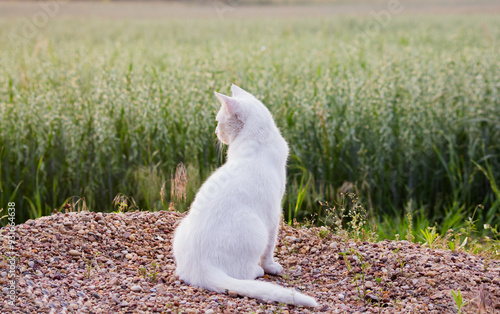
228, 238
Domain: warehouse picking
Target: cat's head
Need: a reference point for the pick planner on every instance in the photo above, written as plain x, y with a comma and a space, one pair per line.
241, 113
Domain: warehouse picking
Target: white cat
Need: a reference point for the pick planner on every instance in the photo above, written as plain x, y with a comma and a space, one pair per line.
228, 238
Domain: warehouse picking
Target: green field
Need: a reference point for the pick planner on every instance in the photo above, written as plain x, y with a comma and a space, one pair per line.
405, 114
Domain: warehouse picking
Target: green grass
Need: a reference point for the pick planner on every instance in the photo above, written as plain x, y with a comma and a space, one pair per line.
407, 119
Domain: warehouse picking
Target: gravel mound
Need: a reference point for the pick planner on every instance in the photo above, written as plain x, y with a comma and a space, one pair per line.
122, 262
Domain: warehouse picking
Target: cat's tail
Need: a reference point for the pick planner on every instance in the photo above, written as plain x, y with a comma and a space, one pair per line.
259, 290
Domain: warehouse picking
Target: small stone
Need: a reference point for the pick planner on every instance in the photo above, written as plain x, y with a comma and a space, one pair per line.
31, 264
136, 288
372, 298
431, 273
81, 295
292, 239
73, 306
209, 311
74, 253
232, 294
160, 289
129, 256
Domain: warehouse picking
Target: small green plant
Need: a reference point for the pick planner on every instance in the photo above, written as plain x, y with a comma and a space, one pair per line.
353, 225
430, 236
89, 264
346, 260
409, 234
401, 261
323, 232
123, 203
459, 301
359, 279
142, 271
153, 274
150, 273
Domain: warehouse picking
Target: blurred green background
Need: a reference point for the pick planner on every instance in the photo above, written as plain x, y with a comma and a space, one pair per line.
397, 105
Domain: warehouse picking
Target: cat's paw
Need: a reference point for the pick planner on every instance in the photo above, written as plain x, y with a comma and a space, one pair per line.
259, 272
273, 268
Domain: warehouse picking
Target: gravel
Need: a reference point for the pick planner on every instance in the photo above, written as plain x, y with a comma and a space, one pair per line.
122, 262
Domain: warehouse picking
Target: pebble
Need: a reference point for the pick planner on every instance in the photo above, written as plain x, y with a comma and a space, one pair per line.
74, 253
81, 295
136, 288
431, 273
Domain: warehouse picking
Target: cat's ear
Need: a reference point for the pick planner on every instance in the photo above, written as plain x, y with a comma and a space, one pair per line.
229, 102
238, 91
